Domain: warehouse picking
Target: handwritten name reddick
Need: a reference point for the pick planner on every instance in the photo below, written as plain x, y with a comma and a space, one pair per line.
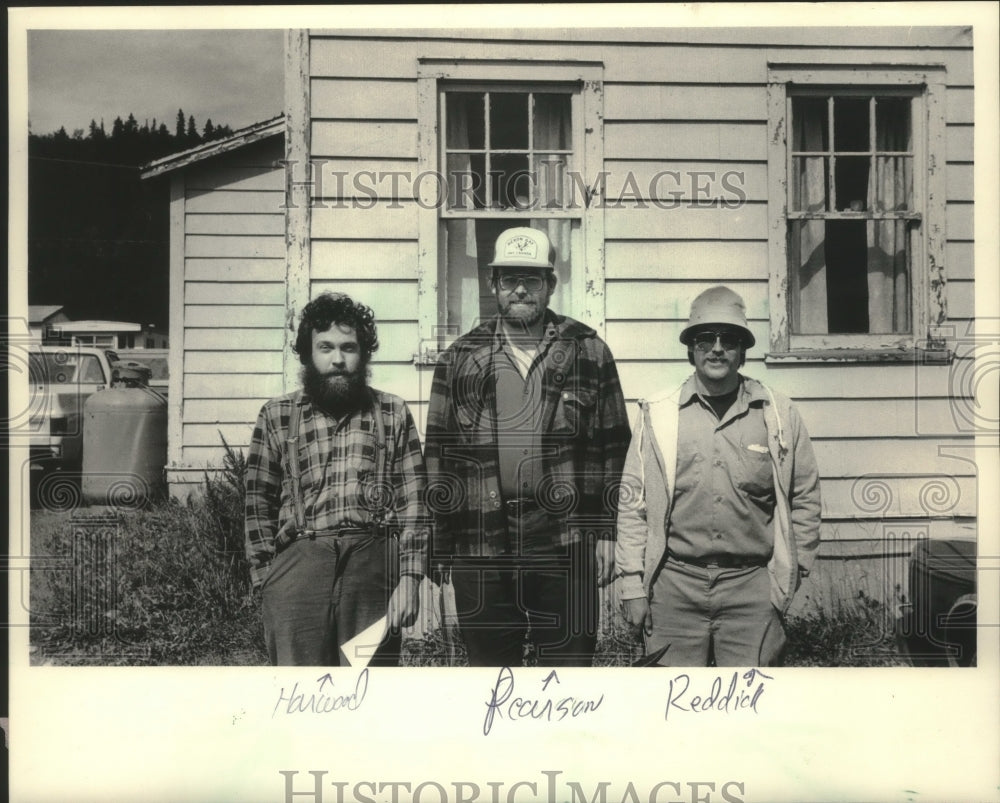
738, 696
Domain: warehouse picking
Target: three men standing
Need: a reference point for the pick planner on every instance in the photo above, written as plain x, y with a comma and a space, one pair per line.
336, 531
527, 435
526, 439
720, 506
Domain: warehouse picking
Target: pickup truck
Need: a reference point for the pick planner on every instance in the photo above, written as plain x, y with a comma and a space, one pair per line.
61, 379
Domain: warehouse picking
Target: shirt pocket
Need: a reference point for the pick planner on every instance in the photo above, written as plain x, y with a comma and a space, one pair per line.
756, 476
575, 412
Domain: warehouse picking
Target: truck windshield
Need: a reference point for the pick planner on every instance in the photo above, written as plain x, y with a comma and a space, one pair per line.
64, 367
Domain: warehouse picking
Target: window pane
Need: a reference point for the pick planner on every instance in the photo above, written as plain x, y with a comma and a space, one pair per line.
512, 186
509, 120
550, 180
466, 181
809, 125
849, 276
90, 369
888, 276
846, 282
466, 116
810, 183
893, 183
851, 175
468, 250
551, 122
893, 130
850, 124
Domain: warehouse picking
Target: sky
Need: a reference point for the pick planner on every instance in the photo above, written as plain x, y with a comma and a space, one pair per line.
233, 77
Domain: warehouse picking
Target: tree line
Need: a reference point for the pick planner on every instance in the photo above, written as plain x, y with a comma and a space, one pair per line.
128, 142
97, 234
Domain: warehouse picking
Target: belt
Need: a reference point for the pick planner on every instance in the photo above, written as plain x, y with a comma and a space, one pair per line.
519, 507
339, 531
720, 561
285, 538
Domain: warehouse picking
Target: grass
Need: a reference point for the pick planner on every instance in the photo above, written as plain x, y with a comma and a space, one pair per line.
168, 585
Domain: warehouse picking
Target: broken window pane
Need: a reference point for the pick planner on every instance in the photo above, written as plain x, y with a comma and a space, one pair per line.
851, 176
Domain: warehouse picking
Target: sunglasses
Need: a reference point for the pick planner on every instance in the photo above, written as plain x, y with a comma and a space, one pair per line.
511, 282
705, 340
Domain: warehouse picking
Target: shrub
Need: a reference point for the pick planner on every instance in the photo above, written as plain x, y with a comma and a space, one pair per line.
858, 633
168, 584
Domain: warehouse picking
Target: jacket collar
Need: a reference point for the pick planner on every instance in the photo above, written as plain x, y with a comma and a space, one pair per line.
750, 391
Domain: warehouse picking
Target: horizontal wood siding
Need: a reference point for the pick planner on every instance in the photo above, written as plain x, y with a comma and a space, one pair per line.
234, 297
686, 192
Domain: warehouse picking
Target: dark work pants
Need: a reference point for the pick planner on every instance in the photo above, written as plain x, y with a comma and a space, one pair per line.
321, 593
549, 590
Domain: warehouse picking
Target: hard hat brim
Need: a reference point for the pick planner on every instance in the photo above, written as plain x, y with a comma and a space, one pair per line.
517, 263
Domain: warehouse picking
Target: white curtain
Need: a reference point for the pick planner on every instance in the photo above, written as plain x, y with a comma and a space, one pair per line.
888, 271
809, 315
462, 279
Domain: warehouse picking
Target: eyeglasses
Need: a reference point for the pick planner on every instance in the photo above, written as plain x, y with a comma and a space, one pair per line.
509, 281
705, 340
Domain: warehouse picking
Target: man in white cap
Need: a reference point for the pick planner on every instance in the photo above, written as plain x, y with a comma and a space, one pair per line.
526, 438
719, 513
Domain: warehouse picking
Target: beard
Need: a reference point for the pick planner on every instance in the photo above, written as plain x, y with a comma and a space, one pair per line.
520, 317
335, 393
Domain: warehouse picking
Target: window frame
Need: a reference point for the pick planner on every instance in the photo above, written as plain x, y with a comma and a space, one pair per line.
924, 85
585, 81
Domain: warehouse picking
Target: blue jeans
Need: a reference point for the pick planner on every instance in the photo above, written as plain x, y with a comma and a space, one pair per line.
711, 615
321, 593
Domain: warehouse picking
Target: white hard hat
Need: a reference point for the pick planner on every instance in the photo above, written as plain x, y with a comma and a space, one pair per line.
523, 247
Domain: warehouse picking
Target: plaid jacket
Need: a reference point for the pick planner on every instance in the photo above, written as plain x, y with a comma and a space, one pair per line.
339, 488
586, 435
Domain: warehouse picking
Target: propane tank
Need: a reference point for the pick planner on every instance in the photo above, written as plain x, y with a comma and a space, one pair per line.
124, 439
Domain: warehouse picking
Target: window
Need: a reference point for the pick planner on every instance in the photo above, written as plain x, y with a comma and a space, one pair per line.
507, 153
513, 144
97, 341
852, 180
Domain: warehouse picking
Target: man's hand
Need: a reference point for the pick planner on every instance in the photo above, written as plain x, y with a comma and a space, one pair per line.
604, 550
638, 616
404, 603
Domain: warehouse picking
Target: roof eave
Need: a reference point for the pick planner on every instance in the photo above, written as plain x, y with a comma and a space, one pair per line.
239, 139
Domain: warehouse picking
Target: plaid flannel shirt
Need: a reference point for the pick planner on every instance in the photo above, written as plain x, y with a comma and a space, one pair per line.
339, 489
586, 435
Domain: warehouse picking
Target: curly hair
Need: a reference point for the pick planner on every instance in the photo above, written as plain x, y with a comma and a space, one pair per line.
336, 308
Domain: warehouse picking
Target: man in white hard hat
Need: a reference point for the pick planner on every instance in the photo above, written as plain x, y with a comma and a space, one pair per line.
526, 438
720, 507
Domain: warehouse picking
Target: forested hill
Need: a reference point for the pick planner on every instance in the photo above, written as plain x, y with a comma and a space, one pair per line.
97, 234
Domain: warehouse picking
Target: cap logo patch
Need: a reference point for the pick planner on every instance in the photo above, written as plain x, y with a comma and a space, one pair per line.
521, 247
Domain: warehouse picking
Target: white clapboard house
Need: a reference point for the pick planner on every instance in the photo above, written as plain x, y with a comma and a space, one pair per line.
823, 173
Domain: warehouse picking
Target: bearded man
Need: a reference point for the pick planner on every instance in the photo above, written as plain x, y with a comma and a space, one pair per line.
335, 528
526, 438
